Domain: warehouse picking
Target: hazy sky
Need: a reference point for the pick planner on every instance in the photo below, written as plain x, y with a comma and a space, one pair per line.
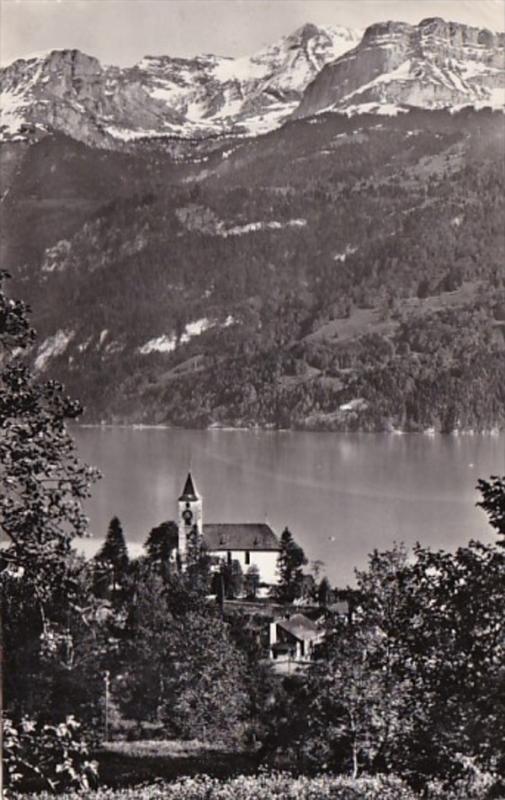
122, 31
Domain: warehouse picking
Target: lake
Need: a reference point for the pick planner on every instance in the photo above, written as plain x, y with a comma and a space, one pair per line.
341, 495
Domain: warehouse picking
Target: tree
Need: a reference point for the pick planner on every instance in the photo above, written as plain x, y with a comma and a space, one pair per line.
138, 685
415, 683
233, 579
42, 485
42, 481
206, 668
455, 642
358, 698
180, 665
324, 592
317, 566
113, 556
161, 543
493, 502
56, 669
289, 568
252, 581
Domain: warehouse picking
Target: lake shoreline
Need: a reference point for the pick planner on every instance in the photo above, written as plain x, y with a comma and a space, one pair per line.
495, 432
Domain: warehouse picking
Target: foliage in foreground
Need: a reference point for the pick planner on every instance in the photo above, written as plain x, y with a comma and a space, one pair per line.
283, 786
260, 787
42, 584
57, 755
42, 480
493, 502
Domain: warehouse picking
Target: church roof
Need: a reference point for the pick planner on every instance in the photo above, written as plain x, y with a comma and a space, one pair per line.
240, 536
189, 491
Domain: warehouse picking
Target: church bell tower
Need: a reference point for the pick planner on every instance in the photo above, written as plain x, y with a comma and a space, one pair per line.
190, 515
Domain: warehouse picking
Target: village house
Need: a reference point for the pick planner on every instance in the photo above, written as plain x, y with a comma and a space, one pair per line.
293, 641
252, 544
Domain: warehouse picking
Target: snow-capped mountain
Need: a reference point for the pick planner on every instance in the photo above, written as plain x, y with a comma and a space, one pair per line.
434, 64
253, 93
163, 96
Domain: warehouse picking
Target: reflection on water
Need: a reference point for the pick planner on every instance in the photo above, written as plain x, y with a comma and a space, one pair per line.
340, 494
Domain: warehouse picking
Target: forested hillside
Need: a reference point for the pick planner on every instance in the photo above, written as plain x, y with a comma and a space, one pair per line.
339, 273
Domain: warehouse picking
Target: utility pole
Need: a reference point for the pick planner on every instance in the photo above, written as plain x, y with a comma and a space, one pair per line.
221, 593
107, 688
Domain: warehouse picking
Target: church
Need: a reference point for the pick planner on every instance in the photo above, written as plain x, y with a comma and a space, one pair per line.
249, 543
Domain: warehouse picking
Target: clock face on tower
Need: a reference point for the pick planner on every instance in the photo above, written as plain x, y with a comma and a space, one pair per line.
187, 516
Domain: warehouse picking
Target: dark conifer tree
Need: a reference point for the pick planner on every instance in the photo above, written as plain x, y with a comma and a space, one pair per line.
113, 555
160, 544
289, 566
324, 592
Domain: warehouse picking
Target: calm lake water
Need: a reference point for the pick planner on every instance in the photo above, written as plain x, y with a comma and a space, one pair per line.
341, 495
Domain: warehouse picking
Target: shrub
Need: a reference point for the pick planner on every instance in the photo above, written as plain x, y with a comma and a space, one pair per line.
276, 786
474, 783
55, 756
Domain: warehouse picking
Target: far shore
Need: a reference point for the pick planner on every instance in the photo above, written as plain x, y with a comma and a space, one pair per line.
495, 432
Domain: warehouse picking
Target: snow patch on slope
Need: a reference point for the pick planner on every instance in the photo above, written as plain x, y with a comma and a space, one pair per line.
252, 227
160, 344
55, 257
342, 257
53, 346
168, 343
130, 135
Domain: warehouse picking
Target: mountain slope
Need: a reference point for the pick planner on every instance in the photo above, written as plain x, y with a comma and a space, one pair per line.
51, 187
338, 273
433, 64
101, 105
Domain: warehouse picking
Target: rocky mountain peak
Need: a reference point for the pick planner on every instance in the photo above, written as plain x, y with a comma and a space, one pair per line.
305, 32
435, 63
432, 64
378, 30
165, 96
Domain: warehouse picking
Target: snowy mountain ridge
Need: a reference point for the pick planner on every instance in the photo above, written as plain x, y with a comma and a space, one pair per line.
166, 96
434, 64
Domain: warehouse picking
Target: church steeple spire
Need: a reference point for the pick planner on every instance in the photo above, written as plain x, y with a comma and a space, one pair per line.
189, 491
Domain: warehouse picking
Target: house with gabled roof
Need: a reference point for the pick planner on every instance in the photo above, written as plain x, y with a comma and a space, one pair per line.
252, 544
294, 640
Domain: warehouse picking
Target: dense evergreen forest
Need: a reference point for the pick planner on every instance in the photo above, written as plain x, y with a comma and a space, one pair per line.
337, 274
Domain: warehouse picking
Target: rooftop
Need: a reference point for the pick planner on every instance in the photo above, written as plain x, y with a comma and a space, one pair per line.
240, 536
299, 626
